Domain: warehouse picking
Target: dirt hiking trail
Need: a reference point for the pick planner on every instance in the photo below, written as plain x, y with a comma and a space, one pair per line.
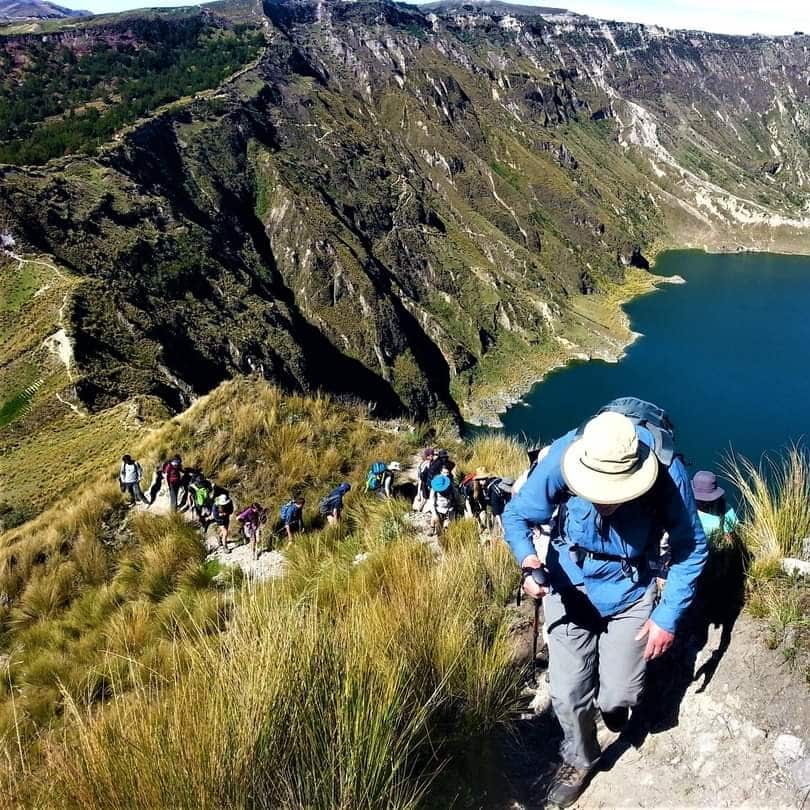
735, 736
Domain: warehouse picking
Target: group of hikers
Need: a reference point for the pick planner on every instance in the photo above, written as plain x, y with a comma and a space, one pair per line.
189, 490
608, 530
481, 495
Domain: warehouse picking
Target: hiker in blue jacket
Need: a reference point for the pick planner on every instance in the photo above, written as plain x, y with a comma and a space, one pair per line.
331, 507
614, 499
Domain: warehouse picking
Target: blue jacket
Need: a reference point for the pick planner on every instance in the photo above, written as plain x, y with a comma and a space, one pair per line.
633, 531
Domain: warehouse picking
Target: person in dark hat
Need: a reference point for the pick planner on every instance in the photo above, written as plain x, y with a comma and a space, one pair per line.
715, 516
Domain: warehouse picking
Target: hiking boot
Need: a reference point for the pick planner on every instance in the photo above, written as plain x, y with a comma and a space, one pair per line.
567, 785
616, 720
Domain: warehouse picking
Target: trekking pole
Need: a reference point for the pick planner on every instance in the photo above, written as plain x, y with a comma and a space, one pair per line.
540, 577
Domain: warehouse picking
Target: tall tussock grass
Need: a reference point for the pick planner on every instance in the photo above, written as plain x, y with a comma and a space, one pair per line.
307, 701
776, 502
502, 455
775, 522
89, 576
332, 687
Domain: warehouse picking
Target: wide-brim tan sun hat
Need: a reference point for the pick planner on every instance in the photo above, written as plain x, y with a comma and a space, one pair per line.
482, 473
608, 464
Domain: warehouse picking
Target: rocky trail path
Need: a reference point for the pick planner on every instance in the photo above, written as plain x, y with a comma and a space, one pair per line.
737, 735
725, 722
267, 565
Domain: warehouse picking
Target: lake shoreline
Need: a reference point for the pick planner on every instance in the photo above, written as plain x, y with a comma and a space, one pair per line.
486, 411
724, 354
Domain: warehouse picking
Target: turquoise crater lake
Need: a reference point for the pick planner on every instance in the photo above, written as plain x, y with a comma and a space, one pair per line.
727, 354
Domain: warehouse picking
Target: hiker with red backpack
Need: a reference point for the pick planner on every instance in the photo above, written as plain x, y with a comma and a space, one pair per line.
617, 485
173, 475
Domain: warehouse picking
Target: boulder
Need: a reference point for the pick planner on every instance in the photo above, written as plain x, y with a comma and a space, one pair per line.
787, 750
791, 565
800, 773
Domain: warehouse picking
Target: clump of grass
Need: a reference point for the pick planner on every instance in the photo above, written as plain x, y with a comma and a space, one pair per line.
500, 454
785, 604
775, 521
776, 501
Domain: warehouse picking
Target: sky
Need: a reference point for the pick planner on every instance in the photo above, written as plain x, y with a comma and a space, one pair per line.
724, 16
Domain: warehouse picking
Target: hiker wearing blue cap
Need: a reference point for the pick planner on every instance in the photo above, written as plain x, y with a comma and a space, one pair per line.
445, 502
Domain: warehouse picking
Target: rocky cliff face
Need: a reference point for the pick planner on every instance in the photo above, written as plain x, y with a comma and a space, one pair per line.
391, 195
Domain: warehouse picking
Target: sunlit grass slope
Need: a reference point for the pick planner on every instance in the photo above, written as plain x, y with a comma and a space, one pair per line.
87, 581
335, 686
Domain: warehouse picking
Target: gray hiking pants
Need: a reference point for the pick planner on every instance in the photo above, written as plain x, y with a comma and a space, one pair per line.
594, 662
134, 490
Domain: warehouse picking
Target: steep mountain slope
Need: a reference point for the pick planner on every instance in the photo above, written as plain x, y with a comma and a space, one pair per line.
401, 205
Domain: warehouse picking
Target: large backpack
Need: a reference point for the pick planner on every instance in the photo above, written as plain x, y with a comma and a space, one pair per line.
375, 476
202, 494
331, 502
655, 420
288, 512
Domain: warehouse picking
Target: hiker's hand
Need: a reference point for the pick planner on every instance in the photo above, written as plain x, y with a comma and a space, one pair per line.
530, 587
658, 640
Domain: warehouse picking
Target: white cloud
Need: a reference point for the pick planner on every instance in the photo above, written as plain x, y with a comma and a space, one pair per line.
723, 16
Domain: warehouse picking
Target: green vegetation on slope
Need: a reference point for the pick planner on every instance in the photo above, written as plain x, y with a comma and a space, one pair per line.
66, 100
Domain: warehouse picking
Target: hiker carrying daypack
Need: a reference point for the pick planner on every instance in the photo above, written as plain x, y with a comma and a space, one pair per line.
292, 516
423, 480
499, 492
253, 519
173, 475
446, 503
129, 477
221, 512
201, 491
331, 506
374, 479
619, 485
